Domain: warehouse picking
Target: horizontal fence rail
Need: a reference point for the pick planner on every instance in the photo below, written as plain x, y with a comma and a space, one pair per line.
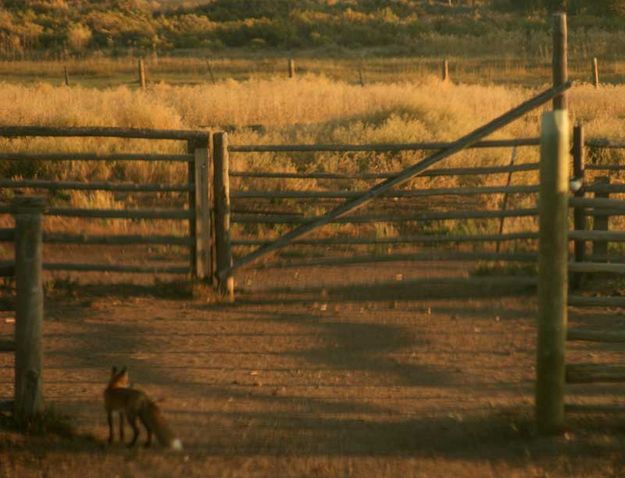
462, 191
172, 214
181, 158
143, 269
105, 186
424, 256
377, 147
364, 176
605, 143
119, 239
425, 216
102, 132
423, 239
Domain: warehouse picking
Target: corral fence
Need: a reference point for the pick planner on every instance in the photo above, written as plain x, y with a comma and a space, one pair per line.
194, 210
220, 220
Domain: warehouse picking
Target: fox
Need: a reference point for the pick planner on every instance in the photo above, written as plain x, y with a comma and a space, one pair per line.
133, 404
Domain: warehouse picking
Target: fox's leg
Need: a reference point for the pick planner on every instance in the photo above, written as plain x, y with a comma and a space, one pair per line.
132, 421
148, 441
121, 427
109, 416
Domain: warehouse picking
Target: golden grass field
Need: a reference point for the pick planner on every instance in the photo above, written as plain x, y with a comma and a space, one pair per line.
307, 109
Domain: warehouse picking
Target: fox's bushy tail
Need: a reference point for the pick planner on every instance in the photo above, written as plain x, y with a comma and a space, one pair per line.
154, 419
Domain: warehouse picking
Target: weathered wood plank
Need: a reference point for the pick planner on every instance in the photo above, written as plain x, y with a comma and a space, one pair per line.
390, 194
84, 267
7, 345
552, 271
202, 205
610, 236
586, 301
579, 218
28, 213
428, 173
26, 156
135, 133
606, 143
221, 162
609, 267
172, 214
424, 256
97, 186
595, 373
586, 335
606, 188
598, 203
592, 408
426, 216
420, 239
275, 148
63, 238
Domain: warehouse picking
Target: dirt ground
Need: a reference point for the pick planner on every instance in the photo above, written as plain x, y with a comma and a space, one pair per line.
316, 372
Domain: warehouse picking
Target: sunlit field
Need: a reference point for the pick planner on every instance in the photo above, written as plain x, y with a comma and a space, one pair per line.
307, 109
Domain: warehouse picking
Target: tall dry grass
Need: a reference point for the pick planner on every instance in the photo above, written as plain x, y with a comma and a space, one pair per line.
308, 109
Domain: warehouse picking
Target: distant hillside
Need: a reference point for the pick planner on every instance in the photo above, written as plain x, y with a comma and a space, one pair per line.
80, 27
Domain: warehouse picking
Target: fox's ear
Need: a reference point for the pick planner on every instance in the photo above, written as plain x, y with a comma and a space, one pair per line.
124, 369
114, 370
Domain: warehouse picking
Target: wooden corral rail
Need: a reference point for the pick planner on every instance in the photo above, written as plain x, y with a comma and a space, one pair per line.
377, 148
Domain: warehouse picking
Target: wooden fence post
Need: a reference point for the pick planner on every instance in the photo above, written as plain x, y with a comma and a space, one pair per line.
202, 245
600, 222
209, 67
222, 214
445, 71
579, 216
141, 67
291, 68
29, 308
560, 58
552, 271
595, 72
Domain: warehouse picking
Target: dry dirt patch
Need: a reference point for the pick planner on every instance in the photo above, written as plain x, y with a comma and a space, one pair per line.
315, 372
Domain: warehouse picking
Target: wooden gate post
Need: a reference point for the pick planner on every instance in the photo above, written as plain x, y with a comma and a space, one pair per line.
560, 69
222, 214
201, 257
552, 271
579, 215
29, 308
